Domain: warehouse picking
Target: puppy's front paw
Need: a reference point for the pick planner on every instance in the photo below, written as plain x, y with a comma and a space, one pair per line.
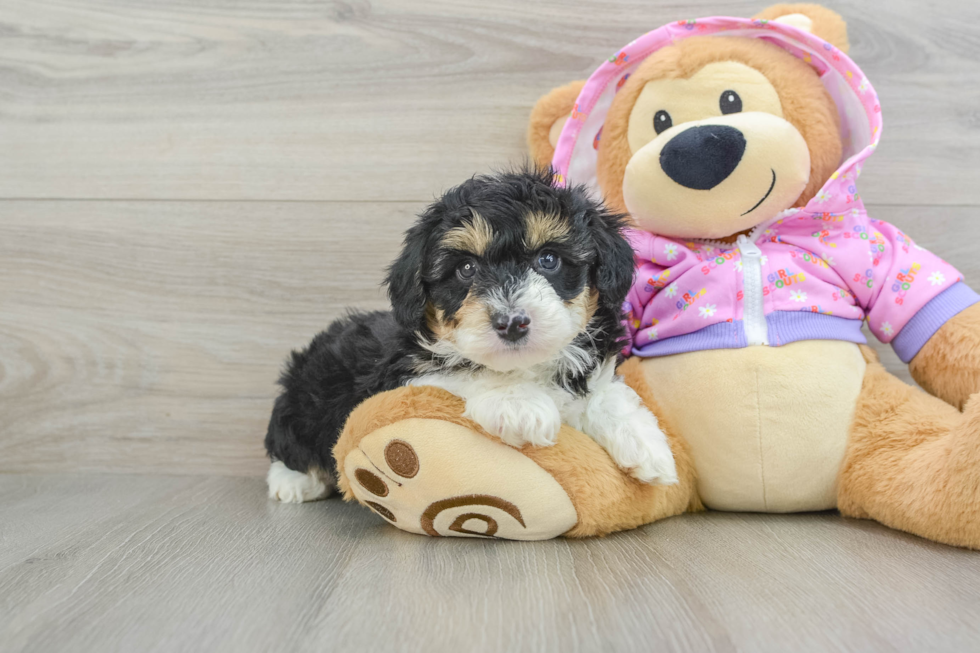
655, 464
616, 418
632, 436
532, 419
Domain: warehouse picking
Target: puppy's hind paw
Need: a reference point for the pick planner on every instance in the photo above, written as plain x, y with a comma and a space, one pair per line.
289, 486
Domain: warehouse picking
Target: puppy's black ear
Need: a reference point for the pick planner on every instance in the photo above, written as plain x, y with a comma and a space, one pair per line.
405, 288
614, 268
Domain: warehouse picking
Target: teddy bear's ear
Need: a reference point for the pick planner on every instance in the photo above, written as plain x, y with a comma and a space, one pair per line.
815, 19
547, 119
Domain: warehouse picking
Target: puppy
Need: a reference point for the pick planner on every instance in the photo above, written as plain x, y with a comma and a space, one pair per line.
508, 292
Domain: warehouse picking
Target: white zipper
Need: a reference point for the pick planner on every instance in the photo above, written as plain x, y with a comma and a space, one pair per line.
754, 309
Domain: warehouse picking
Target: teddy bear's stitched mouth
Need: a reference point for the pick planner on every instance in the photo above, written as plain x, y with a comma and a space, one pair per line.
768, 192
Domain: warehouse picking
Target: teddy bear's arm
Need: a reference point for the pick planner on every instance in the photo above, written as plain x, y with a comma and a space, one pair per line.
948, 366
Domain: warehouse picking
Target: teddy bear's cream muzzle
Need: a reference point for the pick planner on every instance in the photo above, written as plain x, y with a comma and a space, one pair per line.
717, 177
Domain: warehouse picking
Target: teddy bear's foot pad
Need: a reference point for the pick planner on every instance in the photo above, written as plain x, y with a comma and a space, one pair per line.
433, 477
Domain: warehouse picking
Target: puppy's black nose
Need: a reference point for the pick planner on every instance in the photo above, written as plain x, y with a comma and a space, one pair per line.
702, 157
511, 326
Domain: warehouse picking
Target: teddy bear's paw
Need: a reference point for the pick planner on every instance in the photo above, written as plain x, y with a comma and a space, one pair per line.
289, 486
437, 478
517, 420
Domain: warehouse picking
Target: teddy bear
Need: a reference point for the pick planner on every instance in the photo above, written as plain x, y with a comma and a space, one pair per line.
734, 146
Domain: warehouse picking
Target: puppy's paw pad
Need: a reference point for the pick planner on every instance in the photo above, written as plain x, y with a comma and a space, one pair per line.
289, 486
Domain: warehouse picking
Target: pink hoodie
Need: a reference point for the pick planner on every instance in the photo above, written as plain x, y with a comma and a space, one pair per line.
811, 273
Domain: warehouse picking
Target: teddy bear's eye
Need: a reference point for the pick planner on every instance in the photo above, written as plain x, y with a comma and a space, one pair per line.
662, 121
730, 102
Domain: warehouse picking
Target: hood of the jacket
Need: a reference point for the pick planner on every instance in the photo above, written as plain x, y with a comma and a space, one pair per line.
857, 103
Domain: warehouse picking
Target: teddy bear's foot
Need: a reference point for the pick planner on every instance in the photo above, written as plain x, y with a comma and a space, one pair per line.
913, 462
437, 478
410, 455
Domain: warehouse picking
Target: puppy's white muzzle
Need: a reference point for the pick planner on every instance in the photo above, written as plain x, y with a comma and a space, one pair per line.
538, 326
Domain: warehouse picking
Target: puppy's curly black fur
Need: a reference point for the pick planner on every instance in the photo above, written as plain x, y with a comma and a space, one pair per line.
364, 354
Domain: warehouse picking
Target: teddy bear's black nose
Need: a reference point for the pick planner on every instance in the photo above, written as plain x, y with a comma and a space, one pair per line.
702, 157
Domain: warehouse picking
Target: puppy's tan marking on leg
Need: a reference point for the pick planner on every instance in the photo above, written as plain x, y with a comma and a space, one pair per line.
474, 236
543, 228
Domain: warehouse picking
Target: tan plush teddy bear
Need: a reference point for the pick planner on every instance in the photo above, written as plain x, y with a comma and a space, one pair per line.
734, 145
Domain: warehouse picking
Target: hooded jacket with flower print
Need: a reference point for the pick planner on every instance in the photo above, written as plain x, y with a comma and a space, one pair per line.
810, 273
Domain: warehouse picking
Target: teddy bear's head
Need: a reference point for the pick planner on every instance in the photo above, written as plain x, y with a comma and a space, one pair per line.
712, 135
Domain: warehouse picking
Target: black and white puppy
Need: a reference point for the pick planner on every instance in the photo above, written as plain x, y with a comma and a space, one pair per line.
508, 293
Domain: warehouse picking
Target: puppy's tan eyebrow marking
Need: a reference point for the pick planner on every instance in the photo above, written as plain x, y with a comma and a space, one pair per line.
474, 236
543, 228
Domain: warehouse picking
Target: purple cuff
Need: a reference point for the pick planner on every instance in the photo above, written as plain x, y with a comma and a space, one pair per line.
933, 315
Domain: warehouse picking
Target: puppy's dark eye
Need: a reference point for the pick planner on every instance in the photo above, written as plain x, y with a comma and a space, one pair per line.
466, 270
730, 102
549, 261
662, 121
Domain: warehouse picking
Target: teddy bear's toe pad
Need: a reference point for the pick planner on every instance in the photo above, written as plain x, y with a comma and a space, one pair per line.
437, 478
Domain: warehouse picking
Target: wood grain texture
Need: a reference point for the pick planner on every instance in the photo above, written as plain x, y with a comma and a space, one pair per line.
147, 336
140, 332
395, 99
130, 563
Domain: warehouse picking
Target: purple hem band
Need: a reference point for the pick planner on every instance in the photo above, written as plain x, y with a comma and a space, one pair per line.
784, 327
940, 309
724, 335
792, 326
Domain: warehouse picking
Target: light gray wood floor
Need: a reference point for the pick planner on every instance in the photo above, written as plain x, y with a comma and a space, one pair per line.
153, 563
190, 188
